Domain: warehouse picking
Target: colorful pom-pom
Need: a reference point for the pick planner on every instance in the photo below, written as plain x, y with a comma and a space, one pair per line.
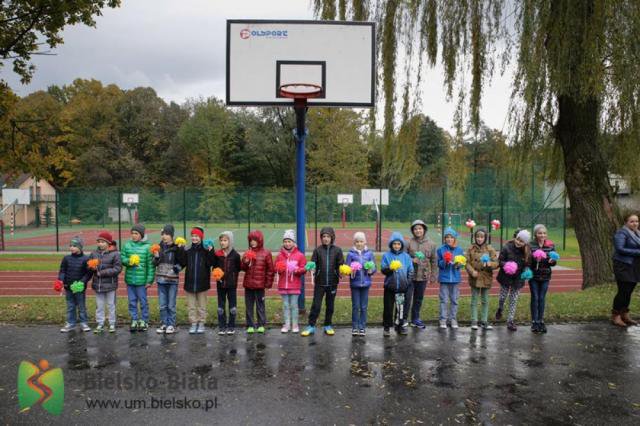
93, 263
181, 241
395, 265
470, 223
420, 255
447, 256
369, 265
220, 253
217, 274
207, 244
77, 286
539, 255
345, 270
281, 266
292, 266
250, 255
355, 266
155, 248
134, 260
495, 224
460, 260
510, 268
58, 285
554, 255
485, 258
526, 274
310, 265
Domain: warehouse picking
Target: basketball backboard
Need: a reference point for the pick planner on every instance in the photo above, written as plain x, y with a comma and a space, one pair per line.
19, 196
263, 55
130, 198
345, 199
369, 197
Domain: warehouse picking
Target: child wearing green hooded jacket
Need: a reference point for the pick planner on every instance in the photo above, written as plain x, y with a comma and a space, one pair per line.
137, 258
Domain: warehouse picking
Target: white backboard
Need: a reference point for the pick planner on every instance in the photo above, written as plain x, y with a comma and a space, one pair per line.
130, 198
369, 196
345, 198
262, 55
22, 196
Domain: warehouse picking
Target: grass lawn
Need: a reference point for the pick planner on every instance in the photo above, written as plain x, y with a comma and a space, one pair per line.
587, 305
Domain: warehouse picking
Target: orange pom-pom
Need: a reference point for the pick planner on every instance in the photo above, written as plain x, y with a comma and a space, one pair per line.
155, 248
93, 263
218, 274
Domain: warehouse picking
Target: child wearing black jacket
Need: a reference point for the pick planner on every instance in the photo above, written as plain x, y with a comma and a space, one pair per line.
73, 271
229, 262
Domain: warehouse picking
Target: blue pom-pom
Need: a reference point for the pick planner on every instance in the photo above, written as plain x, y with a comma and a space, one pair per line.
526, 274
485, 258
207, 243
554, 255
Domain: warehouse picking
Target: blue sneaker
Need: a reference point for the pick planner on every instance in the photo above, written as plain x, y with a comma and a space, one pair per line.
308, 331
418, 323
328, 330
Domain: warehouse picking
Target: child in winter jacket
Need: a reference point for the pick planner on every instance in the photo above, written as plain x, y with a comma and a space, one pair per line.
482, 259
425, 261
541, 262
327, 259
105, 266
290, 266
139, 274
397, 268
449, 278
362, 263
73, 269
165, 260
198, 261
514, 259
257, 265
229, 262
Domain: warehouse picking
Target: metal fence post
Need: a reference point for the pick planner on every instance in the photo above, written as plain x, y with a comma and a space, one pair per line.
120, 218
57, 226
184, 212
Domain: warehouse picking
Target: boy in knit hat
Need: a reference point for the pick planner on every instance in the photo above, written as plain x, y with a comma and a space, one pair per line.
136, 257
425, 262
290, 266
165, 259
105, 280
73, 268
229, 262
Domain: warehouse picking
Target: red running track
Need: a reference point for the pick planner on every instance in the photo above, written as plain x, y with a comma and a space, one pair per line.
41, 284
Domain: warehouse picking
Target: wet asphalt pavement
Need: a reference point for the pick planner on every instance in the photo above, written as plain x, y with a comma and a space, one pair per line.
575, 374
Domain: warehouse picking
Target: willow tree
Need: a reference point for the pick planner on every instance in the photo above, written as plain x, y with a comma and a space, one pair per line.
575, 65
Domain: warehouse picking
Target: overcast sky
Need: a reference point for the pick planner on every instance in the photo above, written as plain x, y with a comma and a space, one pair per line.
178, 48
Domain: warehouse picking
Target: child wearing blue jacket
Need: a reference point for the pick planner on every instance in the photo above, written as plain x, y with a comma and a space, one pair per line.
449, 278
363, 266
396, 281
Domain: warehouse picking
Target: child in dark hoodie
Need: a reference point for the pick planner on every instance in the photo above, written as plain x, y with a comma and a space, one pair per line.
105, 280
257, 265
327, 258
362, 258
74, 268
165, 259
229, 262
397, 281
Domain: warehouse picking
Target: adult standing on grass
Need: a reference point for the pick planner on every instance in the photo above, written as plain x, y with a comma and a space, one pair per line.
626, 267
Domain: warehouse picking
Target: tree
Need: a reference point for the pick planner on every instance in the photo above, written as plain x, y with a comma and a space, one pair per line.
23, 23
576, 67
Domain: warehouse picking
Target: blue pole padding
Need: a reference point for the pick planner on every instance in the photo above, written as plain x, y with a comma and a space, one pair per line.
300, 192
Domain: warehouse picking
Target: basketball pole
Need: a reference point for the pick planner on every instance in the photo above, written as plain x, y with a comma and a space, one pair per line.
300, 135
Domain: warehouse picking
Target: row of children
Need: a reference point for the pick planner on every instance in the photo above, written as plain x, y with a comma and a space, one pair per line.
408, 268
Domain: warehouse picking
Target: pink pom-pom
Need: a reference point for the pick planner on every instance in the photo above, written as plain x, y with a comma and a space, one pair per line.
510, 268
292, 265
470, 223
355, 266
539, 254
548, 243
495, 224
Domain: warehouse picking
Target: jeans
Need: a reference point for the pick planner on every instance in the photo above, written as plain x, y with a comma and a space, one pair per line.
108, 299
484, 300
359, 303
538, 294
623, 296
318, 293
167, 293
227, 295
415, 293
138, 294
76, 307
290, 309
449, 293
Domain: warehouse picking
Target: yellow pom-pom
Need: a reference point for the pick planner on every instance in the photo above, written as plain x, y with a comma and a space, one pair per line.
134, 260
395, 265
460, 260
345, 269
181, 241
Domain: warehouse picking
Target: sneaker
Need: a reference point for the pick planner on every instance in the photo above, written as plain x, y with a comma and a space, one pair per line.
308, 331
85, 327
295, 329
512, 326
170, 329
162, 329
535, 327
67, 328
284, 329
498, 314
230, 332
143, 325
329, 331
112, 328
251, 330
260, 330
418, 323
363, 333
487, 326
222, 331
403, 330
386, 332
193, 329
134, 326
200, 329
99, 329
454, 323
355, 332
474, 325
443, 324
542, 327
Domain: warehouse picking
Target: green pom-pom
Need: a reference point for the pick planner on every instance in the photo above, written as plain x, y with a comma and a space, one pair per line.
420, 255
369, 265
77, 286
310, 265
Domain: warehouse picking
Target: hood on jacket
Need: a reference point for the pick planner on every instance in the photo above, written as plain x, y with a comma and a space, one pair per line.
419, 223
229, 236
328, 230
486, 236
256, 235
396, 236
450, 231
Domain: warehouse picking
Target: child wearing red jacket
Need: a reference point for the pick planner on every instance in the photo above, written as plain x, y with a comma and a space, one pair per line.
290, 266
257, 265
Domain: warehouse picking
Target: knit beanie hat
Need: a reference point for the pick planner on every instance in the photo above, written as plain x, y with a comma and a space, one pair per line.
198, 231
168, 230
77, 242
359, 236
229, 236
524, 236
289, 234
537, 228
139, 228
105, 236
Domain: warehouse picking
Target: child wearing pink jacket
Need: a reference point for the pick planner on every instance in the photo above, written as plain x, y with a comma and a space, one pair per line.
290, 266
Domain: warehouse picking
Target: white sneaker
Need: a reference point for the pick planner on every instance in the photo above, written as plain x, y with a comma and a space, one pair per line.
162, 329
231, 332
193, 329
85, 327
170, 330
474, 325
443, 324
295, 329
454, 323
284, 329
67, 328
201, 328
221, 332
